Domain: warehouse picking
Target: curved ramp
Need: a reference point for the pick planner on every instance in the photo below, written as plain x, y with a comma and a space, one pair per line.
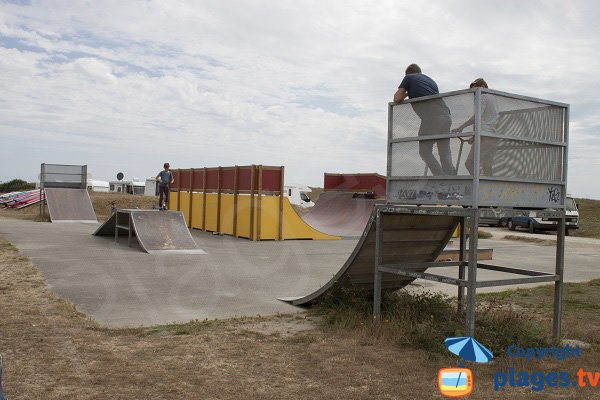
341, 213
69, 205
157, 232
409, 238
295, 227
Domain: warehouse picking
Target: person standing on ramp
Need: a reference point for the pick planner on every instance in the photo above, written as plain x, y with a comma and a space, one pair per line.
164, 178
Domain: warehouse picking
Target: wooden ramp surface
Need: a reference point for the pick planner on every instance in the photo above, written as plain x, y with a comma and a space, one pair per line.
69, 205
408, 238
157, 232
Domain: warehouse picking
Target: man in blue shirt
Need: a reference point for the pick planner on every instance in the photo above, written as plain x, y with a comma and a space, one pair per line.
164, 178
435, 118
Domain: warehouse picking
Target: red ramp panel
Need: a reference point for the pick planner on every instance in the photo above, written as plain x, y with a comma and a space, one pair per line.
157, 232
408, 238
69, 205
341, 213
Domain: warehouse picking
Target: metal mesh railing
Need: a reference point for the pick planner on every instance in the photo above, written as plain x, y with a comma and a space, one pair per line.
521, 140
63, 176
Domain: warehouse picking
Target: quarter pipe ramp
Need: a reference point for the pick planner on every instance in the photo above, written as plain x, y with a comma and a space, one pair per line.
341, 213
408, 238
69, 205
157, 232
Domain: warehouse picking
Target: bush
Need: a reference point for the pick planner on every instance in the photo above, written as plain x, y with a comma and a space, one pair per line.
16, 185
422, 319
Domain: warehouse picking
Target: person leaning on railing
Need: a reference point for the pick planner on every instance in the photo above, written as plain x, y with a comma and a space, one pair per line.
489, 118
434, 115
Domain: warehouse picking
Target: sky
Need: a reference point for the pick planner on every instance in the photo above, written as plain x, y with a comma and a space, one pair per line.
124, 86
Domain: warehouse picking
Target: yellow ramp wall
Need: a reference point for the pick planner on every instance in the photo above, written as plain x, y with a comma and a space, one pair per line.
173, 200
269, 218
293, 226
227, 215
197, 205
184, 206
243, 217
211, 212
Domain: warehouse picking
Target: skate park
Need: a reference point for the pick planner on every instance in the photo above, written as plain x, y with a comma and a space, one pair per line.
247, 269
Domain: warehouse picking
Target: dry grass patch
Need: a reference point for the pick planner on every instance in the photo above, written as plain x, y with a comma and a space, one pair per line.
102, 202
589, 219
530, 239
51, 351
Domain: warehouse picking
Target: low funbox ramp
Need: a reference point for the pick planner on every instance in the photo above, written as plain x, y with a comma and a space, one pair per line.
157, 232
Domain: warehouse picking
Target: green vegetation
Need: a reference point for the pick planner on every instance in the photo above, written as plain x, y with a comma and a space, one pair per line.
581, 307
16, 185
424, 319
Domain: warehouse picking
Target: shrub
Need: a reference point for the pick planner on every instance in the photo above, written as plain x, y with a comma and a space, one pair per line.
16, 185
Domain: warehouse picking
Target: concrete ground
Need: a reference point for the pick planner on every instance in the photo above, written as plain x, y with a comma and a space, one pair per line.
121, 286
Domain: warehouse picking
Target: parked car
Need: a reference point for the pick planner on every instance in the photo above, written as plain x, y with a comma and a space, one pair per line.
492, 217
533, 223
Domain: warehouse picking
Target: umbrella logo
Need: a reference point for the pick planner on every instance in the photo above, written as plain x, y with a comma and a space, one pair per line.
468, 348
458, 382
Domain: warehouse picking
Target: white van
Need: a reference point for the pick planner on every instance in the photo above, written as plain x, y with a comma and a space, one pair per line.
97, 186
134, 187
298, 195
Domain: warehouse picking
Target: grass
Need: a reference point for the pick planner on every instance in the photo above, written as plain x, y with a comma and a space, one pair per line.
423, 319
589, 218
336, 350
52, 351
529, 239
581, 307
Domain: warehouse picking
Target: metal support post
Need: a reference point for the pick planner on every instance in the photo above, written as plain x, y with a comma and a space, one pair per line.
558, 285
129, 231
462, 258
472, 275
378, 259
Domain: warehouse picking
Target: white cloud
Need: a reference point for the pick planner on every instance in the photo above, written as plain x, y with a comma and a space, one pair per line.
298, 83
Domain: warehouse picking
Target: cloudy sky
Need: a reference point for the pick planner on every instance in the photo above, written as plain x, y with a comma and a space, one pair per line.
126, 85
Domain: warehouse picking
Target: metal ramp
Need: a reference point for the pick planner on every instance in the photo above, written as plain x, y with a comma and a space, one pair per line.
341, 213
157, 232
70, 205
408, 239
